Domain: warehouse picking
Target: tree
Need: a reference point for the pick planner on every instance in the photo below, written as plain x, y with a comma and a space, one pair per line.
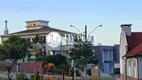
39, 45
60, 62
6, 67
39, 39
82, 53
13, 49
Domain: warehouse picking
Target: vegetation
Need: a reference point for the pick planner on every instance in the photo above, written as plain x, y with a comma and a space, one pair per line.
38, 44
60, 62
68, 79
21, 76
82, 53
95, 79
13, 49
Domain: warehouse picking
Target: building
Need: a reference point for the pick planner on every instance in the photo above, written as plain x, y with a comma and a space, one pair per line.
108, 57
130, 53
42, 28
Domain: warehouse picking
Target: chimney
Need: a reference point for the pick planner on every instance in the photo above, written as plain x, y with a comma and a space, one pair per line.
126, 28
6, 29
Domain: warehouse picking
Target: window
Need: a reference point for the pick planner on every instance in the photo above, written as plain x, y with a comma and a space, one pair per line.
71, 38
29, 39
134, 62
44, 38
67, 37
129, 61
51, 38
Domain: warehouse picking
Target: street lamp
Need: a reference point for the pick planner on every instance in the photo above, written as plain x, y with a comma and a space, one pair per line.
86, 29
75, 28
86, 38
94, 29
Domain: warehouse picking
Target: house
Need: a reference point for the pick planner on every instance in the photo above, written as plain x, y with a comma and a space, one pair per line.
130, 53
108, 57
42, 28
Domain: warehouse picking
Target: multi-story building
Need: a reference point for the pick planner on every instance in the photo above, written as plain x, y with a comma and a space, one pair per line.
42, 28
108, 57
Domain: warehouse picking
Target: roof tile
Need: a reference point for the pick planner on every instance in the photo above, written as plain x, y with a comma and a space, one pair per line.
134, 44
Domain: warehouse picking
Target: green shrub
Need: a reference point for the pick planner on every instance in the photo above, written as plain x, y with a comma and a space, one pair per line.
26, 78
32, 77
37, 77
21, 76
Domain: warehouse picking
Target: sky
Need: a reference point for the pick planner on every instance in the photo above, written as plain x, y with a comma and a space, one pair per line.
63, 13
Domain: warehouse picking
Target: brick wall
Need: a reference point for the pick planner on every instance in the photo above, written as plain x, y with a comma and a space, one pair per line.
123, 77
26, 67
95, 72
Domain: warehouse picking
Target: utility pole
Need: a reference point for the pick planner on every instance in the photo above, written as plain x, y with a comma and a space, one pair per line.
72, 64
86, 39
85, 32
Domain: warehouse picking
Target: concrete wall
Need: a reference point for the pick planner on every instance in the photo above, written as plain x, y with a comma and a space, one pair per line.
44, 24
36, 24
117, 53
33, 23
98, 53
105, 56
126, 29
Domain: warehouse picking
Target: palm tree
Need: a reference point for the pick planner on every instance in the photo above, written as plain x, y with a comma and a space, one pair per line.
39, 45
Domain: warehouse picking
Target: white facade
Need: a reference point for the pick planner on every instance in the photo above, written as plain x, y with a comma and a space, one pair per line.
123, 51
129, 66
132, 67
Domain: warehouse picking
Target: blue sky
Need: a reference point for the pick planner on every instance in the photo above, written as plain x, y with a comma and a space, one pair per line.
62, 13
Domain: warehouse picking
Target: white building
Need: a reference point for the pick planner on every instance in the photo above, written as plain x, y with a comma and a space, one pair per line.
130, 54
42, 28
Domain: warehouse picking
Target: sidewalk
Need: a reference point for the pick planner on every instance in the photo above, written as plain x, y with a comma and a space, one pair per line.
117, 78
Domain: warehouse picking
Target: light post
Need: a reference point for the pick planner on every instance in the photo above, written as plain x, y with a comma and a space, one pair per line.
94, 29
86, 40
86, 30
72, 65
76, 28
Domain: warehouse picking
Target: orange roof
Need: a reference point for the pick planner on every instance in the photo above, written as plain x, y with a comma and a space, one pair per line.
134, 44
137, 51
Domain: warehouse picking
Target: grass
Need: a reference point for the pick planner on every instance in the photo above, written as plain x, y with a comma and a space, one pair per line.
1, 78
95, 79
